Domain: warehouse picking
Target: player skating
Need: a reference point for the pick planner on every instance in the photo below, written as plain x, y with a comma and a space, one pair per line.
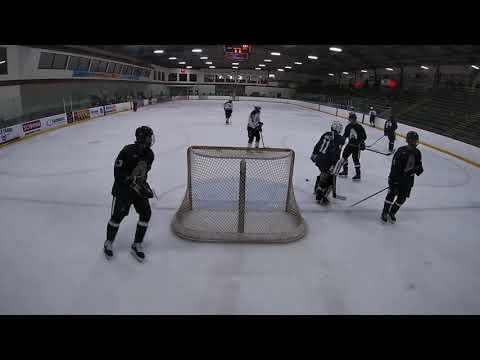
355, 133
131, 187
406, 163
373, 114
228, 107
325, 155
254, 127
389, 131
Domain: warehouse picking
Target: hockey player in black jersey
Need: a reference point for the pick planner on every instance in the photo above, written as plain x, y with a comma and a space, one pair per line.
228, 107
373, 115
130, 187
389, 131
355, 133
254, 127
406, 163
325, 155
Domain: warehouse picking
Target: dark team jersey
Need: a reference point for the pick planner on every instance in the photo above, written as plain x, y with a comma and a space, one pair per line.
328, 149
351, 116
131, 162
355, 133
390, 127
405, 164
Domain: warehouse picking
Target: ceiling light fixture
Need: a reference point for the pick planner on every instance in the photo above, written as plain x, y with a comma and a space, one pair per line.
275, 53
389, 69
297, 63
208, 63
288, 67
234, 67
262, 65
424, 67
271, 75
189, 67
475, 67
346, 73
236, 64
203, 57
312, 57
258, 68
364, 71
211, 67
197, 50
158, 52
330, 74
280, 70
335, 49
181, 62
172, 58
267, 60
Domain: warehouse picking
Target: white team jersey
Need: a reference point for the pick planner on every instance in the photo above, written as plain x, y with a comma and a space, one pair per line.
253, 120
373, 112
228, 106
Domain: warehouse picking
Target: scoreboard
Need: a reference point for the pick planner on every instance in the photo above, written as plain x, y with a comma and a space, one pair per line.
238, 52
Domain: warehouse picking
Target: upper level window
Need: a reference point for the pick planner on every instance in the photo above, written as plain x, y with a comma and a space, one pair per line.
52, 61
193, 77
172, 77
3, 61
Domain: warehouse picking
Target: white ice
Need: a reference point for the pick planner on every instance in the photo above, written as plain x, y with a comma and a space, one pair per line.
55, 203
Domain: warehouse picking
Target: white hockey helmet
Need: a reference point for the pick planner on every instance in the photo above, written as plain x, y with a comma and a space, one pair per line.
337, 126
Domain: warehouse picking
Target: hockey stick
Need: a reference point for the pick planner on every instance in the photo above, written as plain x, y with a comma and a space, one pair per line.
368, 197
261, 137
375, 142
334, 190
379, 152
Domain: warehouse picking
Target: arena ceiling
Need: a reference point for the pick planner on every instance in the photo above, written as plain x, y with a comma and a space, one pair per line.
351, 58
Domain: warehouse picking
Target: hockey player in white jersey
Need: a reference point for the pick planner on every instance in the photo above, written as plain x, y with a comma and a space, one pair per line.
228, 107
254, 127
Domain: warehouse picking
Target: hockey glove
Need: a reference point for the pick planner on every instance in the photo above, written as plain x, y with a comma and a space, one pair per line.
314, 158
362, 146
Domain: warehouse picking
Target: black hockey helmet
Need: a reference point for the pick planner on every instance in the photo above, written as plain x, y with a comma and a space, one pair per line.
412, 138
257, 108
144, 135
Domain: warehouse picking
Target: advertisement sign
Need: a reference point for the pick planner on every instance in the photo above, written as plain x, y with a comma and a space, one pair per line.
53, 121
81, 115
96, 112
110, 108
31, 126
9, 133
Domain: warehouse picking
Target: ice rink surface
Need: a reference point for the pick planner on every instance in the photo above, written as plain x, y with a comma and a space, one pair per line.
55, 203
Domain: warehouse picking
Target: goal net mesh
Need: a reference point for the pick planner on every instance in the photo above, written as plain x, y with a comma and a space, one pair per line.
239, 195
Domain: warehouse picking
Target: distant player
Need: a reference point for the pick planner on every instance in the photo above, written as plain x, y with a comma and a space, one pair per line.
406, 163
228, 107
131, 187
254, 127
325, 155
373, 115
389, 131
355, 133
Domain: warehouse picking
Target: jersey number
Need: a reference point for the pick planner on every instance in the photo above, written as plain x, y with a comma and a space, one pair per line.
324, 146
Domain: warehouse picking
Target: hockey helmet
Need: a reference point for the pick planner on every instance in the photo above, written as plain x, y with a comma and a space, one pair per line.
257, 108
412, 138
144, 135
337, 126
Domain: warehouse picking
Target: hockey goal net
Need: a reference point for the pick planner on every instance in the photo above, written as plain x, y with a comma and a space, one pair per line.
239, 195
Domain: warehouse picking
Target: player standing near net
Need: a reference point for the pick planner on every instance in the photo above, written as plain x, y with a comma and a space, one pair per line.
373, 115
406, 163
131, 187
389, 131
325, 155
228, 107
355, 133
254, 127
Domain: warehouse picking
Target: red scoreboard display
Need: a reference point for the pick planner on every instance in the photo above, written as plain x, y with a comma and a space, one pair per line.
237, 52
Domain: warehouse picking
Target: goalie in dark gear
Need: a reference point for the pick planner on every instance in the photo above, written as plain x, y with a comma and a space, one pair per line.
131, 188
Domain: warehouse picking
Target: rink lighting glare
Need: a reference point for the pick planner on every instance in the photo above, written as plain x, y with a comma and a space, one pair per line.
158, 52
312, 57
203, 57
181, 62
364, 71
330, 74
236, 64
297, 63
267, 60
172, 58
389, 69
335, 49
211, 67
189, 67
424, 67
208, 63
262, 65
346, 73
475, 67
288, 67
271, 75
280, 70
197, 50
275, 53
